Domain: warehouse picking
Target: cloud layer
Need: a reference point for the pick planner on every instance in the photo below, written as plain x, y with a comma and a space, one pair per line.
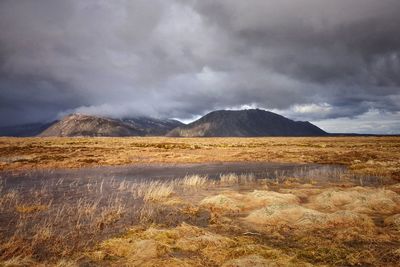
316, 60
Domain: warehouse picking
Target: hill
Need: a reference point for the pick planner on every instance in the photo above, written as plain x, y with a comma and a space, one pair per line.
86, 125
246, 123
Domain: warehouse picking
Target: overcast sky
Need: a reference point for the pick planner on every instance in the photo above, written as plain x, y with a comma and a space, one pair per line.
333, 62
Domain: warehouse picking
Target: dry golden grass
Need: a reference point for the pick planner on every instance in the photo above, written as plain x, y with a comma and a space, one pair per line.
366, 155
44, 225
156, 190
273, 224
30, 208
229, 178
358, 199
299, 217
233, 178
236, 221
194, 246
393, 221
289, 234
194, 181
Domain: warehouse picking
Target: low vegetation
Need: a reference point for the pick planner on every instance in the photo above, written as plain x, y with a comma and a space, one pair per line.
195, 181
196, 221
312, 217
377, 156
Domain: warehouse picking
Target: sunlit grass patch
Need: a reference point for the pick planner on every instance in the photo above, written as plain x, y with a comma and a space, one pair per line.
28, 208
233, 178
265, 198
156, 190
190, 246
194, 181
393, 221
229, 178
300, 219
17, 261
359, 199
223, 202
232, 201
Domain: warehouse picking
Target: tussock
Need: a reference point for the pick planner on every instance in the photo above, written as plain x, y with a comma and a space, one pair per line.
66, 263
17, 261
345, 218
223, 202
201, 241
265, 198
232, 201
302, 192
395, 188
303, 218
358, 199
134, 252
250, 261
187, 245
393, 221
142, 246
280, 215
255, 260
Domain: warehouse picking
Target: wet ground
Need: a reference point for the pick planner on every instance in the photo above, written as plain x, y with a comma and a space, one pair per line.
170, 171
46, 214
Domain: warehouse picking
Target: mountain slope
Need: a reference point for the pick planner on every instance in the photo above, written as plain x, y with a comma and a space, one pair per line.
85, 125
152, 126
252, 122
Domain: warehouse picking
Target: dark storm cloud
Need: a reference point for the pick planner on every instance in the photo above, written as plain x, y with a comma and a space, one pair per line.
310, 59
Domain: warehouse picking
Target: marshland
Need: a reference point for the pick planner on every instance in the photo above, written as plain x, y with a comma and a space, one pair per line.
199, 133
234, 202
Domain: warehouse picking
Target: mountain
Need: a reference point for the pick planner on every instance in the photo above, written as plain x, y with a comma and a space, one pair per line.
86, 125
152, 126
252, 122
246, 123
24, 130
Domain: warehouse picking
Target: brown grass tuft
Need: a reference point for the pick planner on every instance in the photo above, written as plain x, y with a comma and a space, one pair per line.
358, 199
156, 190
194, 181
303, 219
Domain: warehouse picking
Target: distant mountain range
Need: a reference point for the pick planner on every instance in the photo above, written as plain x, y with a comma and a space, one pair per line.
222, 123
24, 130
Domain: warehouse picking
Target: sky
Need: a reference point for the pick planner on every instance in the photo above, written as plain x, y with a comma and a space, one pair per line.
334, 63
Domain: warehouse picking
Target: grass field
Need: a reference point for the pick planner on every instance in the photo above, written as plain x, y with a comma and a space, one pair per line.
315, 218
367, 155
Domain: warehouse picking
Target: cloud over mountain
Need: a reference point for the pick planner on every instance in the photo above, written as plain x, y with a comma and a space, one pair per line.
313, 59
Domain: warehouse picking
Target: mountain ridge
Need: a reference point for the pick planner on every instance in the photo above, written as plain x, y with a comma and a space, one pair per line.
245, 123
219, 123
88, 125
